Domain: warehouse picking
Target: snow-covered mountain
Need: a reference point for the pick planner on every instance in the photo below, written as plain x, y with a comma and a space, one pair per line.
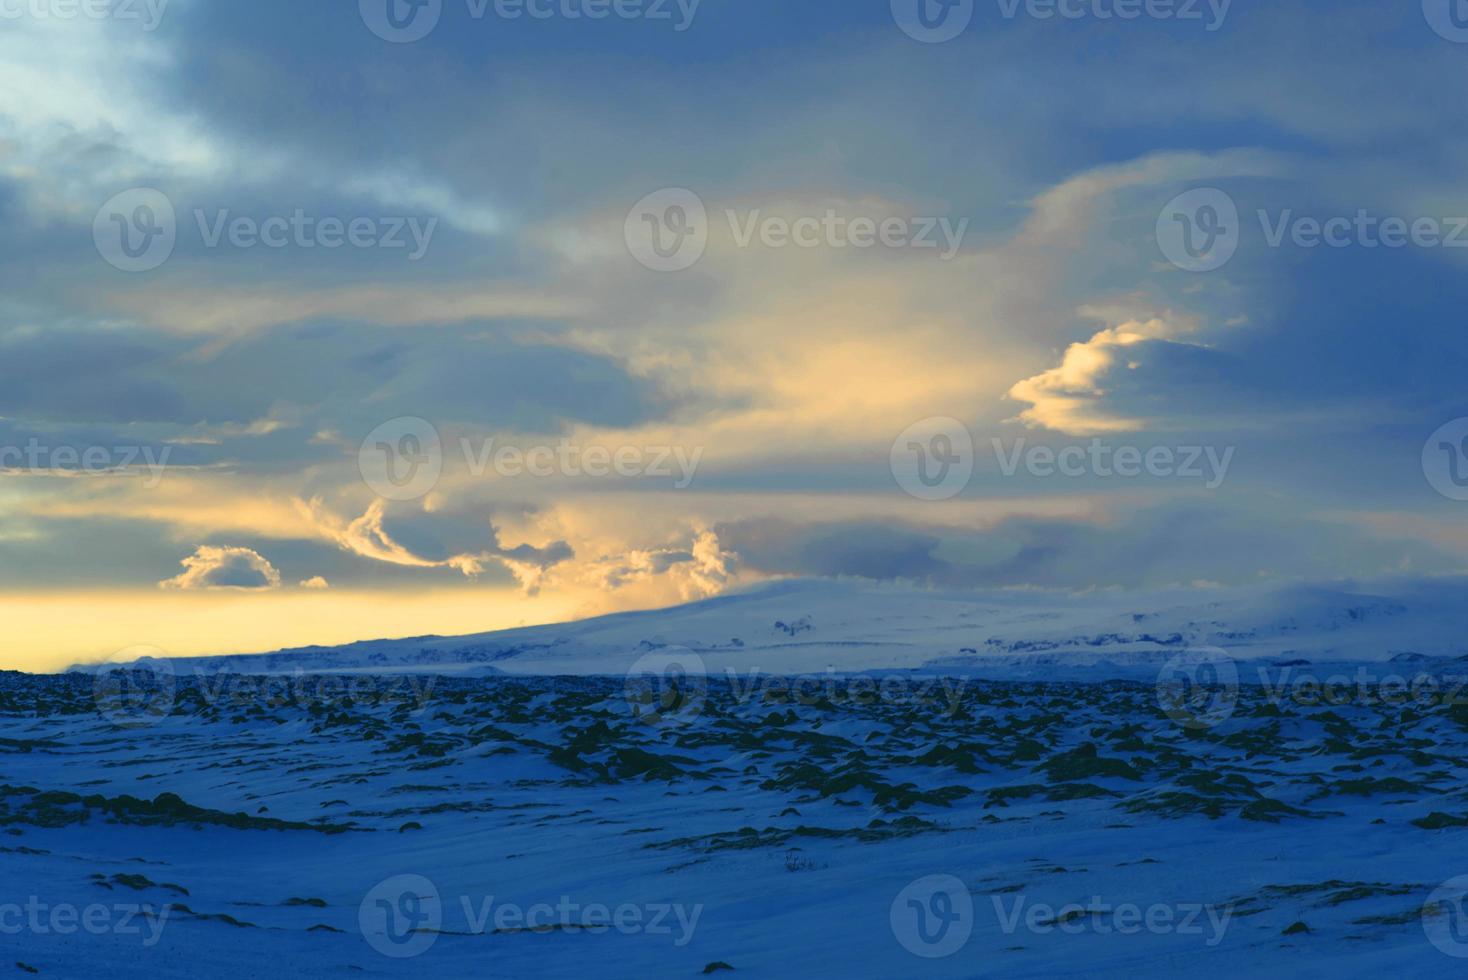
815, 626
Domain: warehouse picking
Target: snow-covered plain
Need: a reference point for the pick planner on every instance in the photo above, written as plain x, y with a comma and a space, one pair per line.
811, 779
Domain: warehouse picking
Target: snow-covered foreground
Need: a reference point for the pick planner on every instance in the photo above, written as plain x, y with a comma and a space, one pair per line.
1035, 788
557, 828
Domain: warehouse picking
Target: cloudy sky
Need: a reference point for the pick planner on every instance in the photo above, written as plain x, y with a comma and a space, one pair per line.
325, 321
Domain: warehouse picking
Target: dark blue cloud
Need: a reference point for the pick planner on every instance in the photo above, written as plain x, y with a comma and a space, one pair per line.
1164, 545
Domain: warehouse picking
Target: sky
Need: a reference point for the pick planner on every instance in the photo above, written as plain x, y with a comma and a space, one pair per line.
330, 321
